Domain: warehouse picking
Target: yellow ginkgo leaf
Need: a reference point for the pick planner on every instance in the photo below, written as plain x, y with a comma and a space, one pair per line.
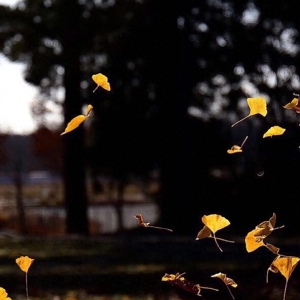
75, 122
24, 262
102, 81
266, 227
3, 294
294, 104
255, 237
237, 149
228, 281
274, 130
257, 105
213, 223
251, 241
285, 265
172, 277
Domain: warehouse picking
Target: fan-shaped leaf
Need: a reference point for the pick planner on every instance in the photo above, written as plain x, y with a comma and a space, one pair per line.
256, 105
274, 130
285, 265
101, 80
3, 294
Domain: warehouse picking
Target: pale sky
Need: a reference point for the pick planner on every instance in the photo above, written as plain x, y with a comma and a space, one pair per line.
16, 96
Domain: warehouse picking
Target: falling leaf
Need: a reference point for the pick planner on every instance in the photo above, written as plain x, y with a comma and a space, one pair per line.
213, 223
142, 223
24, 262
274, 130
254, 239
3, 294
75, 122
257, 105
236, 149
181, 282
102, 81
266, 227
228, 281
294, 104
285, 265
251, 241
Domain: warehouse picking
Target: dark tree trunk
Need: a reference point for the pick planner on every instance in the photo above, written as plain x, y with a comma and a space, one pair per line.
74, 151
172, 65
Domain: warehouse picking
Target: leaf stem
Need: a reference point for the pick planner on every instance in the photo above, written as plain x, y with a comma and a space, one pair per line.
220, 239
26, 282
209, 288
244, 141
95, 88
217, 243
240, 121
231, 292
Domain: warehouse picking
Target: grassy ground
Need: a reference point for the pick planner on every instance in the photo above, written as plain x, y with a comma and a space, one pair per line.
135, 264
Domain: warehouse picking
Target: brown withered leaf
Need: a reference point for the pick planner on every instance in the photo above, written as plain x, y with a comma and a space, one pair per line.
266, 227
213, 223
285, 265
181, 282
142, 223
228, 281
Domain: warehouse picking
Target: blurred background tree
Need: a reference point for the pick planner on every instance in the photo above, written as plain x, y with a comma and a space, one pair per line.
180, 75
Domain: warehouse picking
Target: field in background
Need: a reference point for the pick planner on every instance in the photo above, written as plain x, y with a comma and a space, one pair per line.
44, 207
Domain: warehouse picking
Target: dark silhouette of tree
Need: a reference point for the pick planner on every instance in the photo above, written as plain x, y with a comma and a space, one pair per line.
63, 43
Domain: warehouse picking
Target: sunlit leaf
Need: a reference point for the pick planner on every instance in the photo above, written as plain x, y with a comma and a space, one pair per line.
213, 223
142, 223
75, 122
101, 80
24, 262
228, 281
254, 239
251, 241
285, 265
256, 105
237, 149
266, 227
171, 277
274, 130
3, 294
181, 282
294, 104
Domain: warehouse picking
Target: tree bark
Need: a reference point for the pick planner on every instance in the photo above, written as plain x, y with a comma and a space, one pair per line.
74, 150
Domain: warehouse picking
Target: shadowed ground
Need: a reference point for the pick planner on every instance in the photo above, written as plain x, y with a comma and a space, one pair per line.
135, 264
